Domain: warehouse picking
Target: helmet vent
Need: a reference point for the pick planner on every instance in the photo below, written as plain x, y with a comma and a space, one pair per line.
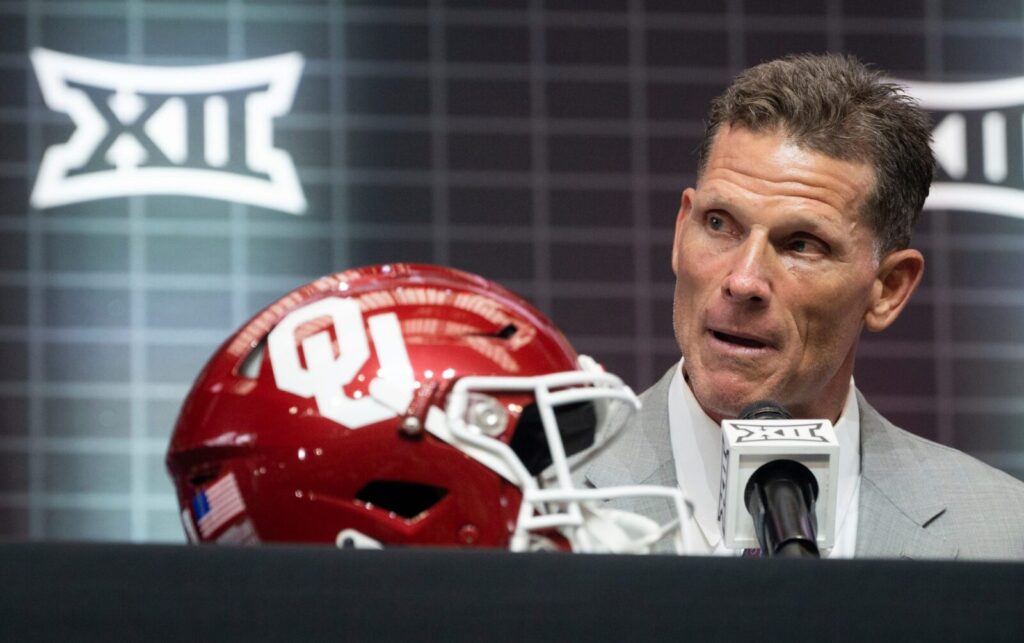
507, 332
407, 499
250, 366
200, 479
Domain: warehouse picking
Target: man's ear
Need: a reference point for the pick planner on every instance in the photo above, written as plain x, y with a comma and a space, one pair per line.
898, 276
685, 206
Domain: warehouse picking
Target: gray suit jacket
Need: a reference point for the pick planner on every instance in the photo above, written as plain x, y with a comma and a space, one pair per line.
918, 499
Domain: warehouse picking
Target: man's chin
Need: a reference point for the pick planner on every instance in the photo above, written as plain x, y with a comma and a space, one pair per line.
724, 402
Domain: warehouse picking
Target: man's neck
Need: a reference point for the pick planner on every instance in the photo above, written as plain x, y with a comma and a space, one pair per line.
830, 409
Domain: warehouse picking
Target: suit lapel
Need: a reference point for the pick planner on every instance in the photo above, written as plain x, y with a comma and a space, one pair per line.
896, 503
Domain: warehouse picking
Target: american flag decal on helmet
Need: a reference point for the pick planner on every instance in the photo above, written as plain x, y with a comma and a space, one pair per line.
216, 505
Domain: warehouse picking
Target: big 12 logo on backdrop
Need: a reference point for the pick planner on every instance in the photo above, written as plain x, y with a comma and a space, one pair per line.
201, 130
978, 141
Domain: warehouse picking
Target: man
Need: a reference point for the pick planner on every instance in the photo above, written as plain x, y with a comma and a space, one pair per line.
811, 176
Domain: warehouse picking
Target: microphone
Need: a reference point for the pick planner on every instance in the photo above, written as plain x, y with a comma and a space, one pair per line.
784, 472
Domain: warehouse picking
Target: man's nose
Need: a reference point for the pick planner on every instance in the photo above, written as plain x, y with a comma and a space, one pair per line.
749, 278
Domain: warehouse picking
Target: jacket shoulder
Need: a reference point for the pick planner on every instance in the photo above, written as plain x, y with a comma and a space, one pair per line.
949, 468
638, 447
981, 507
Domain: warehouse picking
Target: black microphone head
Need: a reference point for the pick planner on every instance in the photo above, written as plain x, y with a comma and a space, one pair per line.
765, 410
791, 470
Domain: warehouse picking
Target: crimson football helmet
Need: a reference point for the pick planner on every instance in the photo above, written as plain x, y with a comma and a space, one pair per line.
403, 405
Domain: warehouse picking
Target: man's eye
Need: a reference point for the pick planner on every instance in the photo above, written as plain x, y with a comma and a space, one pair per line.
807, 246
715, 222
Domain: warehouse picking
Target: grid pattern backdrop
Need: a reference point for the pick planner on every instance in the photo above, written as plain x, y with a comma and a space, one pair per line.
541, 143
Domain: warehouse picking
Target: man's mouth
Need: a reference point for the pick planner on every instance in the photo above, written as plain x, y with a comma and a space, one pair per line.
746, 342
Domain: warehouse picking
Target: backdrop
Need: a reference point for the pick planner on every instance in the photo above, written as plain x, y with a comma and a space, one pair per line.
146, 210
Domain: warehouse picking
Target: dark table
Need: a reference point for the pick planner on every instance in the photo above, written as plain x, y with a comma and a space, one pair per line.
144, 592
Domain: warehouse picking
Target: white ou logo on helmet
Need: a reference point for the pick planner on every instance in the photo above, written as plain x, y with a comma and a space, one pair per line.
324, 376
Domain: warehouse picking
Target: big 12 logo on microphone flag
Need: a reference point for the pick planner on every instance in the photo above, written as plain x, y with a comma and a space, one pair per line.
747, 445
202, 130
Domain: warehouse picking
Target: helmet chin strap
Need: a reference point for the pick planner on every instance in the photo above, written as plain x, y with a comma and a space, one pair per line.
593, 528
613, 531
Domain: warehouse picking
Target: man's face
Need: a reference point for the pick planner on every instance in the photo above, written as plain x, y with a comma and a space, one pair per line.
775, 272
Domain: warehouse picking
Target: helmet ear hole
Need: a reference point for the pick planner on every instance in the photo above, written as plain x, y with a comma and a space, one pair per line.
407, 499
